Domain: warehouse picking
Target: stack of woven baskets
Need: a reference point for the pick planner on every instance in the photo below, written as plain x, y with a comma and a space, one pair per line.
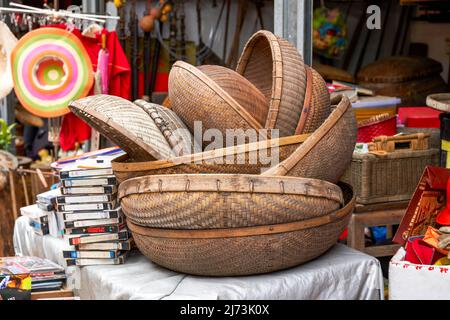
193, 210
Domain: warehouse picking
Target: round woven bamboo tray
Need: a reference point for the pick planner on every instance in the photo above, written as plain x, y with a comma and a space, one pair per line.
328, 152
317, 105
244, 251
195, 97
173, 129
276, 68
249, 158
238, 87
439, 101
125, 124
212, 201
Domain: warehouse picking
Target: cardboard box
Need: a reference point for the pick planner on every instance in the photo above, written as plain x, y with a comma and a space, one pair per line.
408, 281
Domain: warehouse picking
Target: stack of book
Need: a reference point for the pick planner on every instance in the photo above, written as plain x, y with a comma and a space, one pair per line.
93, 220
45, 275
43, 216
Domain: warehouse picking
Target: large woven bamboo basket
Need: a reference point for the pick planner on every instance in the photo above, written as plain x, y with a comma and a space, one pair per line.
195, 97
244, 251
237, 86
317, 105
200, 201
125, 124
327, 153
276, 68
248, 159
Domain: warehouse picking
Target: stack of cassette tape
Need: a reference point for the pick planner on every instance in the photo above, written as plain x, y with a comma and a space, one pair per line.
93, 219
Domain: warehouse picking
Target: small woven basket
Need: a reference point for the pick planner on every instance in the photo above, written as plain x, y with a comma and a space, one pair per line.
125, 124
238, 86
276, 68
327, 153
195, 97
248, 158
224, 201
244, 251
439, 101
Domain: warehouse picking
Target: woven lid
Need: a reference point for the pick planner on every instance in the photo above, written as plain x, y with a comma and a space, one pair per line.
242, 90
276, 68
125, 124
173, 129
439, 101
332, 73
195, 97
399, 69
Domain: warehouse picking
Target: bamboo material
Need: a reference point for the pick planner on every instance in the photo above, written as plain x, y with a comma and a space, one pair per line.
215, 201
439, 101
248, 158
412, 142
327, 153
125, 124
244, 251
275, 67
195, 97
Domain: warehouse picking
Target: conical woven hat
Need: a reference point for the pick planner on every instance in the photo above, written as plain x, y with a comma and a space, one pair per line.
7, 43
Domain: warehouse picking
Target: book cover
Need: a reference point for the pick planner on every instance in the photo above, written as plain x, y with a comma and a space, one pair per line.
121, 246
78, 173
93, 262
85, 199
93, 223
87, 207
15, 287
48, 197
90, 182
89, 190
107, 214
123, 235
45, 206
90, 254
93, 230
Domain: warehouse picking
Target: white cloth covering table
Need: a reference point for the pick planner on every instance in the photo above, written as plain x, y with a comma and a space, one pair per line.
341, 273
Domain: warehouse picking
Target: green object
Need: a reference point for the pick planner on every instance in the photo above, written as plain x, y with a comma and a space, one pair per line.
329, 32
6, 134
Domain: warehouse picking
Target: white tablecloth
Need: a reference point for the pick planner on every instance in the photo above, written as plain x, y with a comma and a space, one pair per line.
341, 273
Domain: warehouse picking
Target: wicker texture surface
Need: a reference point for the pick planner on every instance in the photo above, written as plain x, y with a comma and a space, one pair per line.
393, 177
327, 153
125, 124
275, 67
439, 101
196, 97
320, 104
226, 253
246, 159
224, 201
242, 90
173, 129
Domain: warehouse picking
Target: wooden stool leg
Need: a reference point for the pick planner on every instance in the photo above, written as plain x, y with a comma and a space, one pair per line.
356, 238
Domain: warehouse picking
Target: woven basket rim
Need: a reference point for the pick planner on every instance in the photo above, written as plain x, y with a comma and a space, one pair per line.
131, 139
377, 122
435, 101
250, 231
277, 70
232, 183
303, 150
121, 165
237, 108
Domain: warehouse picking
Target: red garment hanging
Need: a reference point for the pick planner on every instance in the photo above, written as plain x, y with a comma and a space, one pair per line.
73, 129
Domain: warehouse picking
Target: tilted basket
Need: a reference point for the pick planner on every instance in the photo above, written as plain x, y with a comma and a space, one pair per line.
244, 251
249, 158
276, 68
328, 152
201, 201
125, 124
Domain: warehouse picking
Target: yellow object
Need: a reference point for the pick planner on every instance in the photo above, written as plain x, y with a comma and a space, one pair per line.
119, 3
443, 262
445, 146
